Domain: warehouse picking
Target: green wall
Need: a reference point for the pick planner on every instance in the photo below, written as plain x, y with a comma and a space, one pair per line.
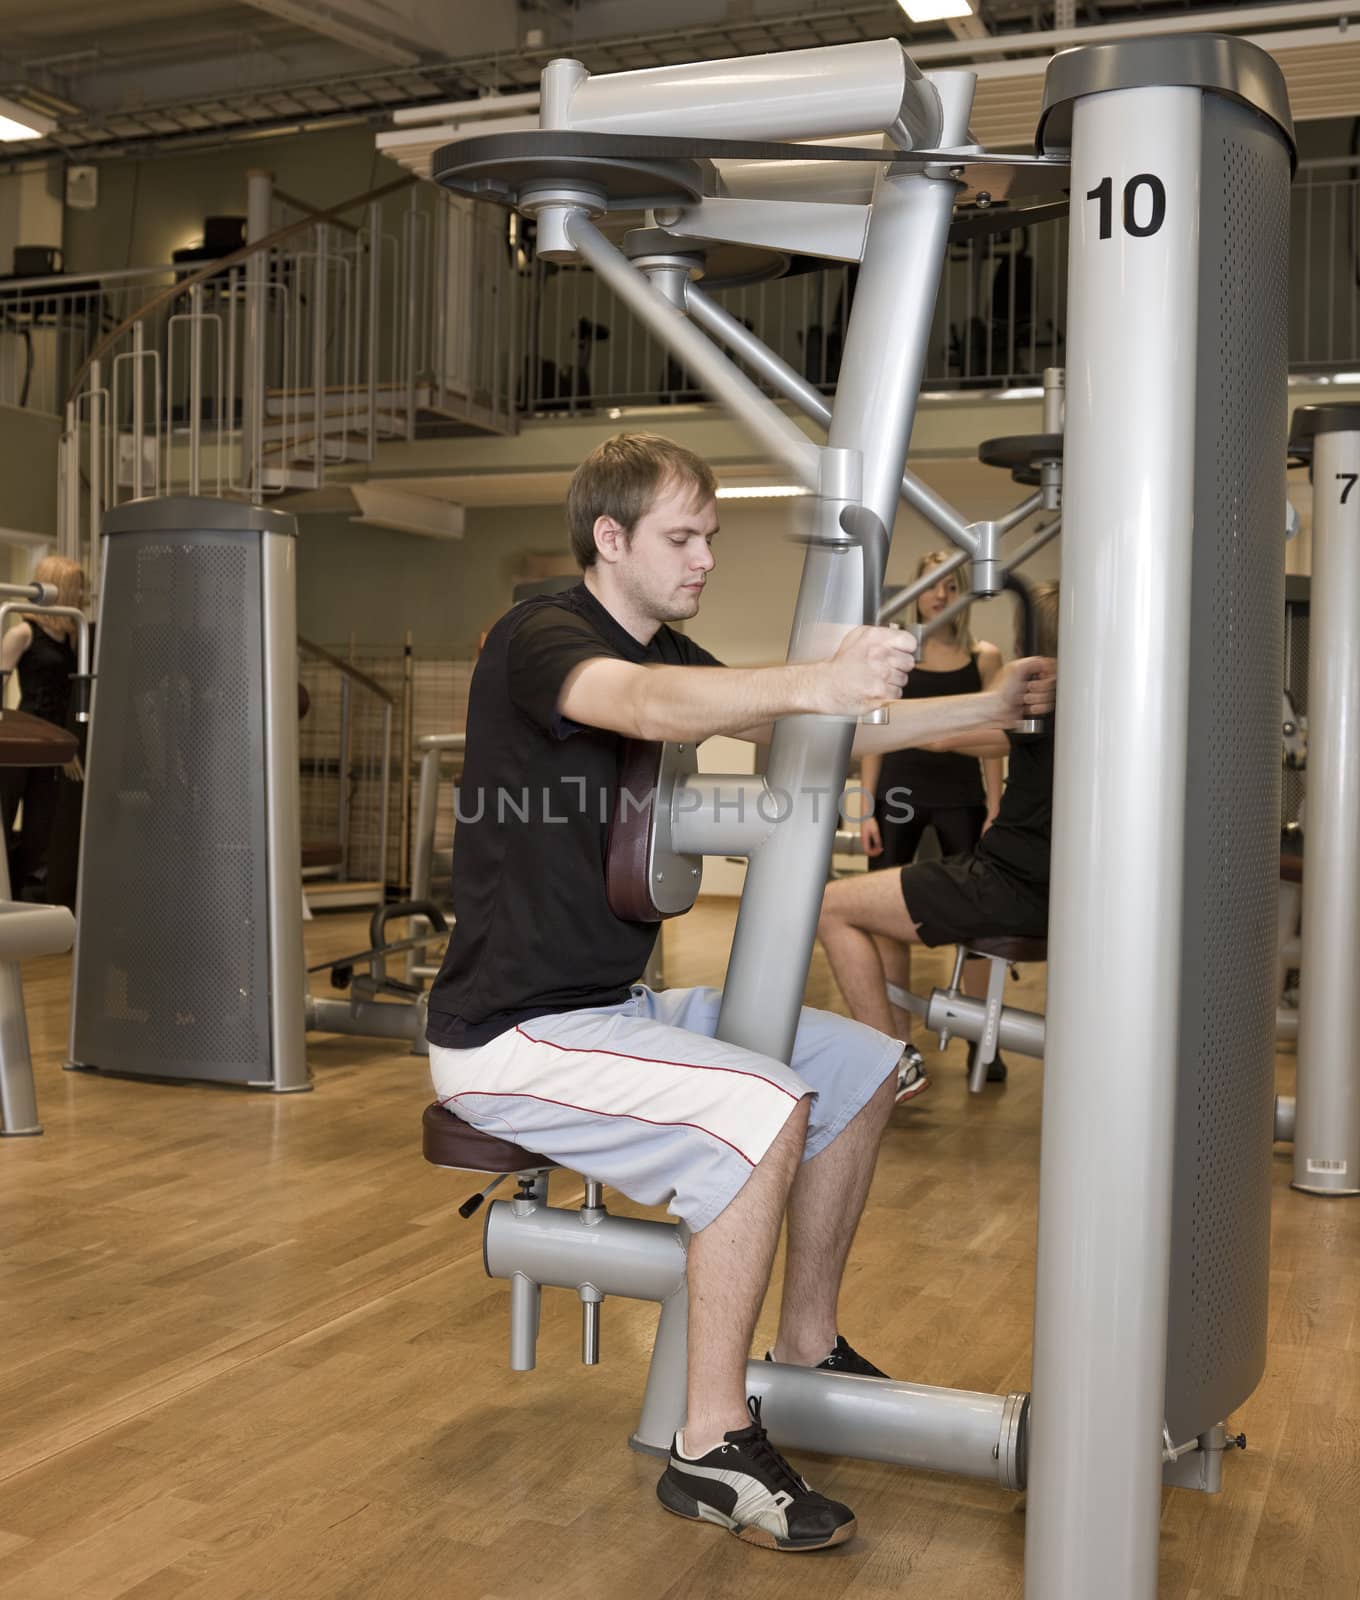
148, 208
28, 471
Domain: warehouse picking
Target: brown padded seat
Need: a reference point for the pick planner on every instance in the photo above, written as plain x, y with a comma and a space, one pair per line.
1291, 868
450, 1142
1007, 949
27, 741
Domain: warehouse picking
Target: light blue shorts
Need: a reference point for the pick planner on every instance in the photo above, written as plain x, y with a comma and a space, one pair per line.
642, 1097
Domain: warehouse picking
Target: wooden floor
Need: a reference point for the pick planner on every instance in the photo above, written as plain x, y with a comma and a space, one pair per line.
248, 1352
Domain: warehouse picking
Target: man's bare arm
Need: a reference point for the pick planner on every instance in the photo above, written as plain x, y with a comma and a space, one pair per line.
672, 703
644, 702
984, 744
972, 723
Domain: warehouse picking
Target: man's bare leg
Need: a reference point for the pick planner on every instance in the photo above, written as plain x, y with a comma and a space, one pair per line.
728, 1273
896, 958
824, 1211
854, 911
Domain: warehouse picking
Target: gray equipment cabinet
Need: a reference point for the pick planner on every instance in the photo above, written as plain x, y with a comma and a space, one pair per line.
189, 961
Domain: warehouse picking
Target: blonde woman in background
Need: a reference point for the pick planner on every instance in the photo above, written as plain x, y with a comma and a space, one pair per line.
42, 648
956, 794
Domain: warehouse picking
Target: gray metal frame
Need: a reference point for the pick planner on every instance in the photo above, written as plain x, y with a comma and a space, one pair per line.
873, 414
1326, 1110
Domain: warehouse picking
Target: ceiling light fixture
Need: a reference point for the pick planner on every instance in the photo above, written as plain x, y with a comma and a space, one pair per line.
761, 491
19, 122
936, 10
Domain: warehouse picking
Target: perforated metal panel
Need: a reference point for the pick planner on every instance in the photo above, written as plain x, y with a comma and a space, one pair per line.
173, 944
1220, 1249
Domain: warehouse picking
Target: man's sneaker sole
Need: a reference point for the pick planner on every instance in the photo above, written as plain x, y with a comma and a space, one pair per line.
683, 1505
909, 1090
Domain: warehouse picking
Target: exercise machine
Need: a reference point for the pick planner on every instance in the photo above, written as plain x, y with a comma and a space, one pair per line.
31, 930
1154, 1210
189, 961
1322, 1118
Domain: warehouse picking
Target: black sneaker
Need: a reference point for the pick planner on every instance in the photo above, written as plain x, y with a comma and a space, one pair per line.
845, 1358
996, 1067
747, 1487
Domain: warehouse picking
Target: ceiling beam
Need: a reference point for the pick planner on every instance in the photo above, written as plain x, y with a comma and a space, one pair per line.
353, 22
1240, 19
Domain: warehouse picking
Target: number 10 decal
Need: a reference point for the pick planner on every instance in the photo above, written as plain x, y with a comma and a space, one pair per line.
1155, 206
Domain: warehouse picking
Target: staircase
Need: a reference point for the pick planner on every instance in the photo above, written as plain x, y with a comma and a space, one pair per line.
328, 336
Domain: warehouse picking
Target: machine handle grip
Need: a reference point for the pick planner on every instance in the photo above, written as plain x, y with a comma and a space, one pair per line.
872, 538
1028, 727
82, 688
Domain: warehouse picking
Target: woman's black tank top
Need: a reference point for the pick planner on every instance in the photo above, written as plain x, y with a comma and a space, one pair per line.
936, 778
45, 670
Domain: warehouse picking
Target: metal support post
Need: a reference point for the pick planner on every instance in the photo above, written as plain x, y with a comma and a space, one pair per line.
138, 412
1104, 1247
319, 288
96, 394
875, 408
283, 808
1327, 1115
70, 540
195, 386
18, 1098
259, 198
371, 357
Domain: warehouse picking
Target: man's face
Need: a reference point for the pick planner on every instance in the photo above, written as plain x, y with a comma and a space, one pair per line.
664, 567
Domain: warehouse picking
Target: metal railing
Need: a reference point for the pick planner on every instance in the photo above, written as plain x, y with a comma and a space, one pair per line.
50, 326
1324, 301
251, 376
1000, 317
998, 321
441, 755
410, 308
345, 775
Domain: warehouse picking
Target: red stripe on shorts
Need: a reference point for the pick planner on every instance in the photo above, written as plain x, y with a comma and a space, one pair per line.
658, 1061
592, 1111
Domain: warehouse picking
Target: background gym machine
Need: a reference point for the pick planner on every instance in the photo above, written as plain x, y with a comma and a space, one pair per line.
30, 930
1323, 1116
189, 958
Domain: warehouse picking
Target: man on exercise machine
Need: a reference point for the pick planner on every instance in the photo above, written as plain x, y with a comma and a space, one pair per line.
538, 1029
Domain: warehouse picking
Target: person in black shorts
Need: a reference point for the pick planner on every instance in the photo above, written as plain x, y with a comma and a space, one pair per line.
999, 887
42, 648
950, 791
539, 1030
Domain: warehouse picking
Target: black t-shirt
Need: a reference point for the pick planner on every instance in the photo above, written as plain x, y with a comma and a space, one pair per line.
533, 931
1020, 840
936, 778
45, 670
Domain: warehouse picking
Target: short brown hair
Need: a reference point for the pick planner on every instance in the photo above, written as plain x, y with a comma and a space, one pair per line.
621, 478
